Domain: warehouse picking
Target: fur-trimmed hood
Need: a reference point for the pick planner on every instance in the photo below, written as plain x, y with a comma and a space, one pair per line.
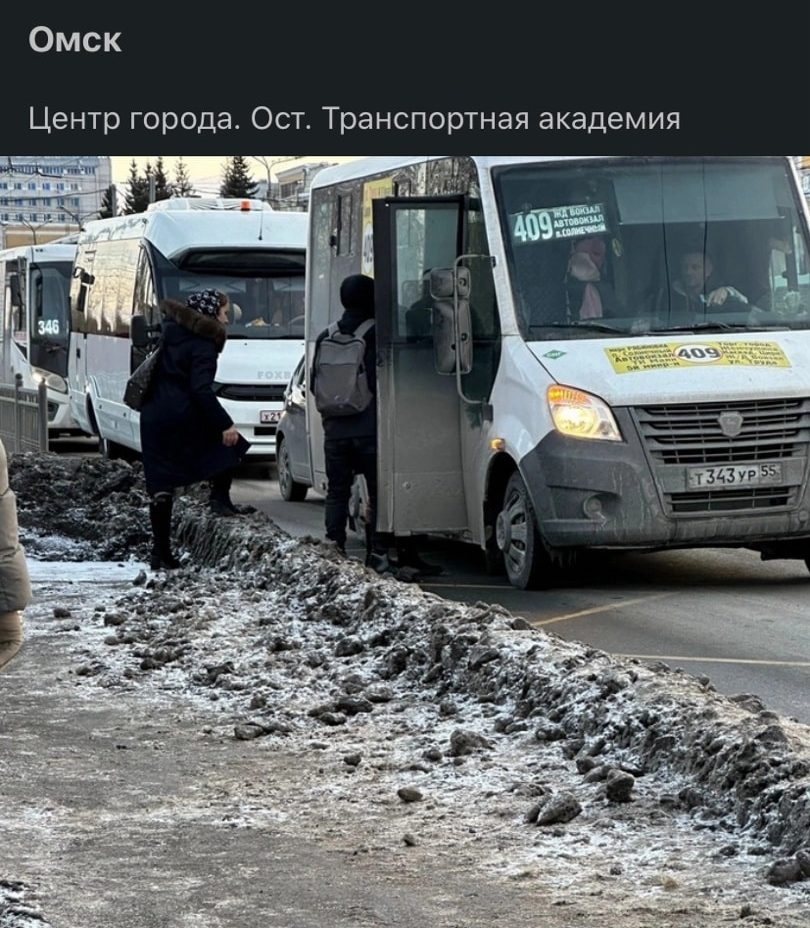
197, 323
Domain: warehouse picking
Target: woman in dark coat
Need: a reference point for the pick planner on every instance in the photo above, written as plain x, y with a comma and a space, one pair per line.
186, 435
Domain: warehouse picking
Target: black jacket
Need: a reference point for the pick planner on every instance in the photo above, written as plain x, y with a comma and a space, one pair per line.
182, 421
364, 424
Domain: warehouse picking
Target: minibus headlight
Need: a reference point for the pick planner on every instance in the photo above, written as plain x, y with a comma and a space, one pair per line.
580, 415
51, 381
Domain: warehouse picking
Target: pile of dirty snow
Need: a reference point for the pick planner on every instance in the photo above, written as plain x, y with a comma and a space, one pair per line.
558, 751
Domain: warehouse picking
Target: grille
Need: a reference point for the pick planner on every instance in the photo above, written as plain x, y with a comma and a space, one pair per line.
249, 392
264, 430
772, 430
743, 498
690, 434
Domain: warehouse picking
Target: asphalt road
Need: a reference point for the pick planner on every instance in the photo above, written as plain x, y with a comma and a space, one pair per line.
721, 613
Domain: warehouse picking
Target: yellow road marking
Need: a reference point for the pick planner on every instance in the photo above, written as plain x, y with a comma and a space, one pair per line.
596, 609
716, 660
621, 605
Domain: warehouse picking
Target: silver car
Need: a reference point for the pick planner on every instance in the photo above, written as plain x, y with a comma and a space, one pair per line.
292, 446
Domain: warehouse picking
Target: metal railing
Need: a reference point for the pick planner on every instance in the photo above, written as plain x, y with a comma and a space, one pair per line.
23, 416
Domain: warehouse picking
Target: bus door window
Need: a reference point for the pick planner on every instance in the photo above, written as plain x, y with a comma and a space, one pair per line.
486, 327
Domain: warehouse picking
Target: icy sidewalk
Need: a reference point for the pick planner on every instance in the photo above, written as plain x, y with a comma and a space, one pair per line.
198, 752
77, 574
139, 808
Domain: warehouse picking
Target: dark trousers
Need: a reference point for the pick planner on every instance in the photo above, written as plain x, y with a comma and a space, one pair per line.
345, 458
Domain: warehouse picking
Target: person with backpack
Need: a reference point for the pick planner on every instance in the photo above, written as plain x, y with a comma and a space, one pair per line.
343, 383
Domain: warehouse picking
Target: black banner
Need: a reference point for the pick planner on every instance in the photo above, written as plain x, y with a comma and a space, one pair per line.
679, 79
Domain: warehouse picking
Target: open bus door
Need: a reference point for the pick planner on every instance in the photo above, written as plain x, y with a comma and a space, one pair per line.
420, 460
19, 308
83, 279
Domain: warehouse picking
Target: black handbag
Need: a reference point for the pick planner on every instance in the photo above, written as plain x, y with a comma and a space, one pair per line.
139, 384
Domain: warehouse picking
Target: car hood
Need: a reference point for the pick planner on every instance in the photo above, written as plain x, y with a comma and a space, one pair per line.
254, 360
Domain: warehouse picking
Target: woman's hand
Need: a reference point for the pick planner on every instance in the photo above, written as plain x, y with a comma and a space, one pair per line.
230, 437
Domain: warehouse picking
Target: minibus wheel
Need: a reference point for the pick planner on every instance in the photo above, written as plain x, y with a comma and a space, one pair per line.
291, 491
524, 554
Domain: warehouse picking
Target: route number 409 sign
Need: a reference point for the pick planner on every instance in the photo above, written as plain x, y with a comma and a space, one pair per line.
558, 222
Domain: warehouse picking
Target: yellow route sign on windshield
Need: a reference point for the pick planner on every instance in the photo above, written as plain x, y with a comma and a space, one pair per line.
634, 358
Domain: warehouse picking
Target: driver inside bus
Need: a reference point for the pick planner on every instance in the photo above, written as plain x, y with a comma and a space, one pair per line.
697, 288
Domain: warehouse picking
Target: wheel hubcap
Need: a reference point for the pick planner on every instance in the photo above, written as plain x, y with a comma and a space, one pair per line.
511, 532
502, 534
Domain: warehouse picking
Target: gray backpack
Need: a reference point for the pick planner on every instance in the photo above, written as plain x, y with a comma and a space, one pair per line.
340, 385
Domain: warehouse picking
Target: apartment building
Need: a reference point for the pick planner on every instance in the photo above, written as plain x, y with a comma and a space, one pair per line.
44, 197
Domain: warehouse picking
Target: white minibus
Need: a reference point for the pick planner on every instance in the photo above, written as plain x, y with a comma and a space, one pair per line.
34, 324
124, 266
578, 353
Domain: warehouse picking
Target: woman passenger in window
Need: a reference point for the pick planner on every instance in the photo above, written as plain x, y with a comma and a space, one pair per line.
590, 294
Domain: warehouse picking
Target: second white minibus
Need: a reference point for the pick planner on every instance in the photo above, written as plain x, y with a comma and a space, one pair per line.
124, 266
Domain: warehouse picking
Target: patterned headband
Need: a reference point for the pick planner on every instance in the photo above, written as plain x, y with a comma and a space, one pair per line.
206, 302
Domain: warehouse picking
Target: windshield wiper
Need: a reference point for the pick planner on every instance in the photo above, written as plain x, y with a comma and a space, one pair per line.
593, 324
49, 344
702, 327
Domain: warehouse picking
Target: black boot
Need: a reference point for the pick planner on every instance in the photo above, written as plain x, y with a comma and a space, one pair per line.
408, 556
160, 515
220, 500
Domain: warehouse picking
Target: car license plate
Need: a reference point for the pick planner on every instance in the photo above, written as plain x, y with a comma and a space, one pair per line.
733, 475
269, 416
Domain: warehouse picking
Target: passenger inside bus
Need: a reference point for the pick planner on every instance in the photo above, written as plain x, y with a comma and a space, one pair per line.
589, 291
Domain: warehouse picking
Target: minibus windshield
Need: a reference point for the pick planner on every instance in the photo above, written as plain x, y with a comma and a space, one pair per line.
265, 289
647, 246
50, 287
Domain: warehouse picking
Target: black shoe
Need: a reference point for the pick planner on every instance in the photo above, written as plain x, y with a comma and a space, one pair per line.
163, 561
412, 559
222, 507
379, 563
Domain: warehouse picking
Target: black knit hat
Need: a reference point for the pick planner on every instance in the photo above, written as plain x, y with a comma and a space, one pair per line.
357, 294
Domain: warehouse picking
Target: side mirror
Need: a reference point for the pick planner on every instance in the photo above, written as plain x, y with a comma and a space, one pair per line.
139, 332
450, 292
86, 278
